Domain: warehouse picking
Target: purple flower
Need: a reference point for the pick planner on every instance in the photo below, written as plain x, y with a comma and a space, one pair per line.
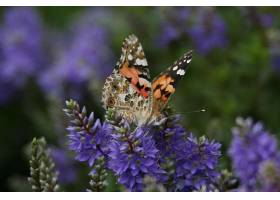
204, 26
89, 146
64, 165
173, 24
89, 138
251, 146
88, 57
196, 161
168, 137
21, 48
134, 155
208, 31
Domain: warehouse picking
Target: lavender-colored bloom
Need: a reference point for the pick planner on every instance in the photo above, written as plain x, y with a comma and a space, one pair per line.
208, 31
89, 53
64, 165
167, 137
87, 58
251, 146
89, 146
173, 24
196, 161
21, 48
88, 137
134, 155
204, 26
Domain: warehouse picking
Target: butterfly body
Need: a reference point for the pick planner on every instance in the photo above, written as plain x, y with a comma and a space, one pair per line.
131, 93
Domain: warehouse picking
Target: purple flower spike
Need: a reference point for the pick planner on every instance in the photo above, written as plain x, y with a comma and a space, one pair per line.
250, 148
88, 57
208, 31
88, 138
131, 157
204, 26
20, 49
196, 161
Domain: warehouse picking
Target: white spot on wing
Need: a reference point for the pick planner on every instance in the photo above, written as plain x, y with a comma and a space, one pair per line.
181, 72
175, 68
122, 57
142, 62
129, 57
188, 61
139, 49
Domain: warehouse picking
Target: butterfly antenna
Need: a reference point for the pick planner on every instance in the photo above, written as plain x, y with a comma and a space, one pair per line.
195, 111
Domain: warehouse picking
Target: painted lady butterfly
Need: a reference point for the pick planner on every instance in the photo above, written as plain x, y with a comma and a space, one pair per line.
130, 91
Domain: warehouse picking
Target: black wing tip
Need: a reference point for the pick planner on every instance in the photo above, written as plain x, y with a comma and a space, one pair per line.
189, 53
184, 60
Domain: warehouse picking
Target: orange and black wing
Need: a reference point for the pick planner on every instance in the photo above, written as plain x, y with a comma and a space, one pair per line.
165, 84
134, 67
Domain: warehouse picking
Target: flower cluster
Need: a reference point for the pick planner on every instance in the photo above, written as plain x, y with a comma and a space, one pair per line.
196, 162
88, 57
171, 24
208, 31
195, 159
251, 149
21, 45
88, 138
203, 26
134, 153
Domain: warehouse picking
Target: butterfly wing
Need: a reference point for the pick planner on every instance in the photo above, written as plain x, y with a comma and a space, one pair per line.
128, 88
164, 85
134, 67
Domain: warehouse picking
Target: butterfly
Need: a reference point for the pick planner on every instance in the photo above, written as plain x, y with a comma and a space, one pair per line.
130, 91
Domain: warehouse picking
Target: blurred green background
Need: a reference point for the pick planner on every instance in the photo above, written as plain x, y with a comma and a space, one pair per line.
235, 71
